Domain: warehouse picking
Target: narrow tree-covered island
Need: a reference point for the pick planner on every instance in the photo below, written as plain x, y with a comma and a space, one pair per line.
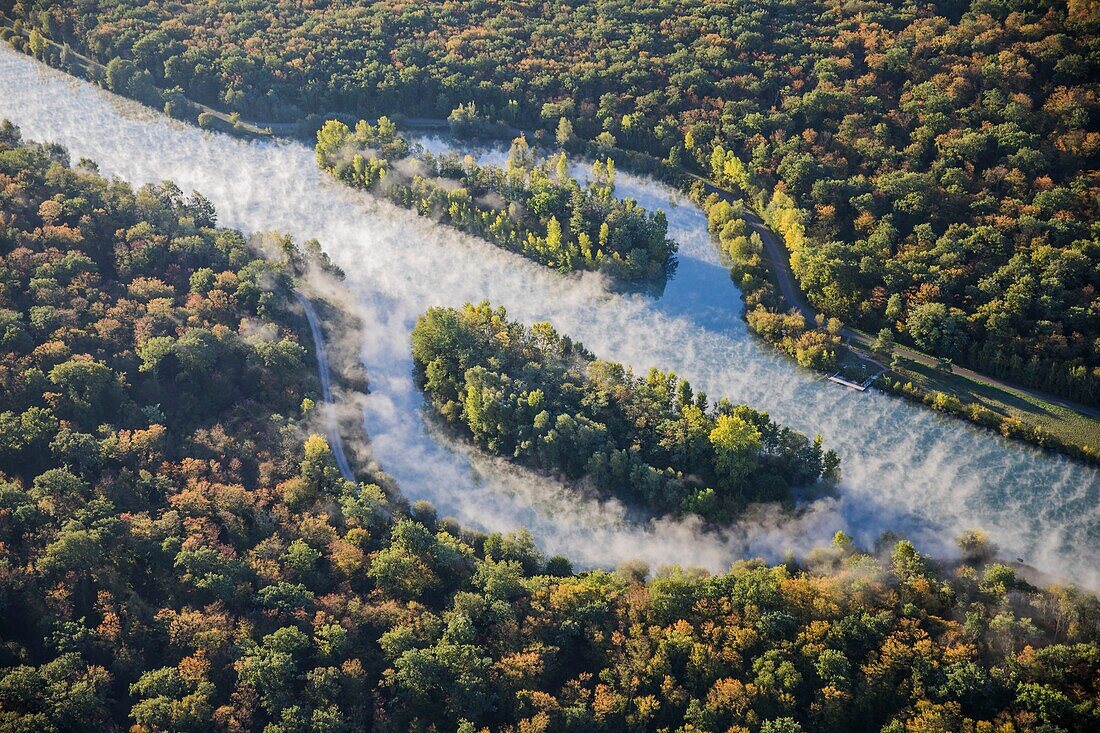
536, 209
539, 397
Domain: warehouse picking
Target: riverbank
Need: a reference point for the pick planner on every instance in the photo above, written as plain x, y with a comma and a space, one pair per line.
1021, 413
1017, 412
906, 470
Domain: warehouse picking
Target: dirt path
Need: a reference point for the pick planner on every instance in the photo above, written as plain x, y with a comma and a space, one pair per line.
333, 428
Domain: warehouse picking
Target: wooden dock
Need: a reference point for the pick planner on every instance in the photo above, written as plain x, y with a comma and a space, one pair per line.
858, 386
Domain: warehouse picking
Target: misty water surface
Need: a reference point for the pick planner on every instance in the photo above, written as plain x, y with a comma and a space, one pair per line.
905, 468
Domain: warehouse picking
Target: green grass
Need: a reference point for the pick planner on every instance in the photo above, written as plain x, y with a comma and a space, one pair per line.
1069, 425
854, 367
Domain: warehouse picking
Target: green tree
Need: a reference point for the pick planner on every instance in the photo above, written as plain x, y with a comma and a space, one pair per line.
272, 668
37, 44
937, 329
884, 341
553, 236
89, 390
168, 703
318, 467
404, 569
564, 133
736, 446
119, 74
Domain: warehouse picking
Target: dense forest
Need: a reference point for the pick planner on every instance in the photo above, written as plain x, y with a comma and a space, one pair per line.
536, 209
537, 396
931, 165
179, 553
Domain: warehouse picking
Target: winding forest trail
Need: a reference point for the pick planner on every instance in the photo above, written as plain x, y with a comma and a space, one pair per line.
333, 428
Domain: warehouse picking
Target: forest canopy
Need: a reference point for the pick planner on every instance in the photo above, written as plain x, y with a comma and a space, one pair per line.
179, 551
539, 397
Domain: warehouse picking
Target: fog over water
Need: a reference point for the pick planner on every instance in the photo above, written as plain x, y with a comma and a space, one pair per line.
904, 468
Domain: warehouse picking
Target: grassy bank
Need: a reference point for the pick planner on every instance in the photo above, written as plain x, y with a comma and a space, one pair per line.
1013, 414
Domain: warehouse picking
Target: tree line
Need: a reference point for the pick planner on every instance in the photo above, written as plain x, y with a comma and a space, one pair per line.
531, 394
817, 345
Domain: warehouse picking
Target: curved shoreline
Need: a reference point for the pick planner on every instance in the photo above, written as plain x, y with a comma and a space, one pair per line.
249, 189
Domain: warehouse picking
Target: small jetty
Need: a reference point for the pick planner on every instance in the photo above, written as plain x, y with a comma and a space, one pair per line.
859, 386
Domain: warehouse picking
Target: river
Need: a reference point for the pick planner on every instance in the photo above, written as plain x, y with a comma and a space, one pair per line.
905, 469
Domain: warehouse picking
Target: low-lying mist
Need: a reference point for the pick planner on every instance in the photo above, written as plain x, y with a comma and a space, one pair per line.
905, 468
